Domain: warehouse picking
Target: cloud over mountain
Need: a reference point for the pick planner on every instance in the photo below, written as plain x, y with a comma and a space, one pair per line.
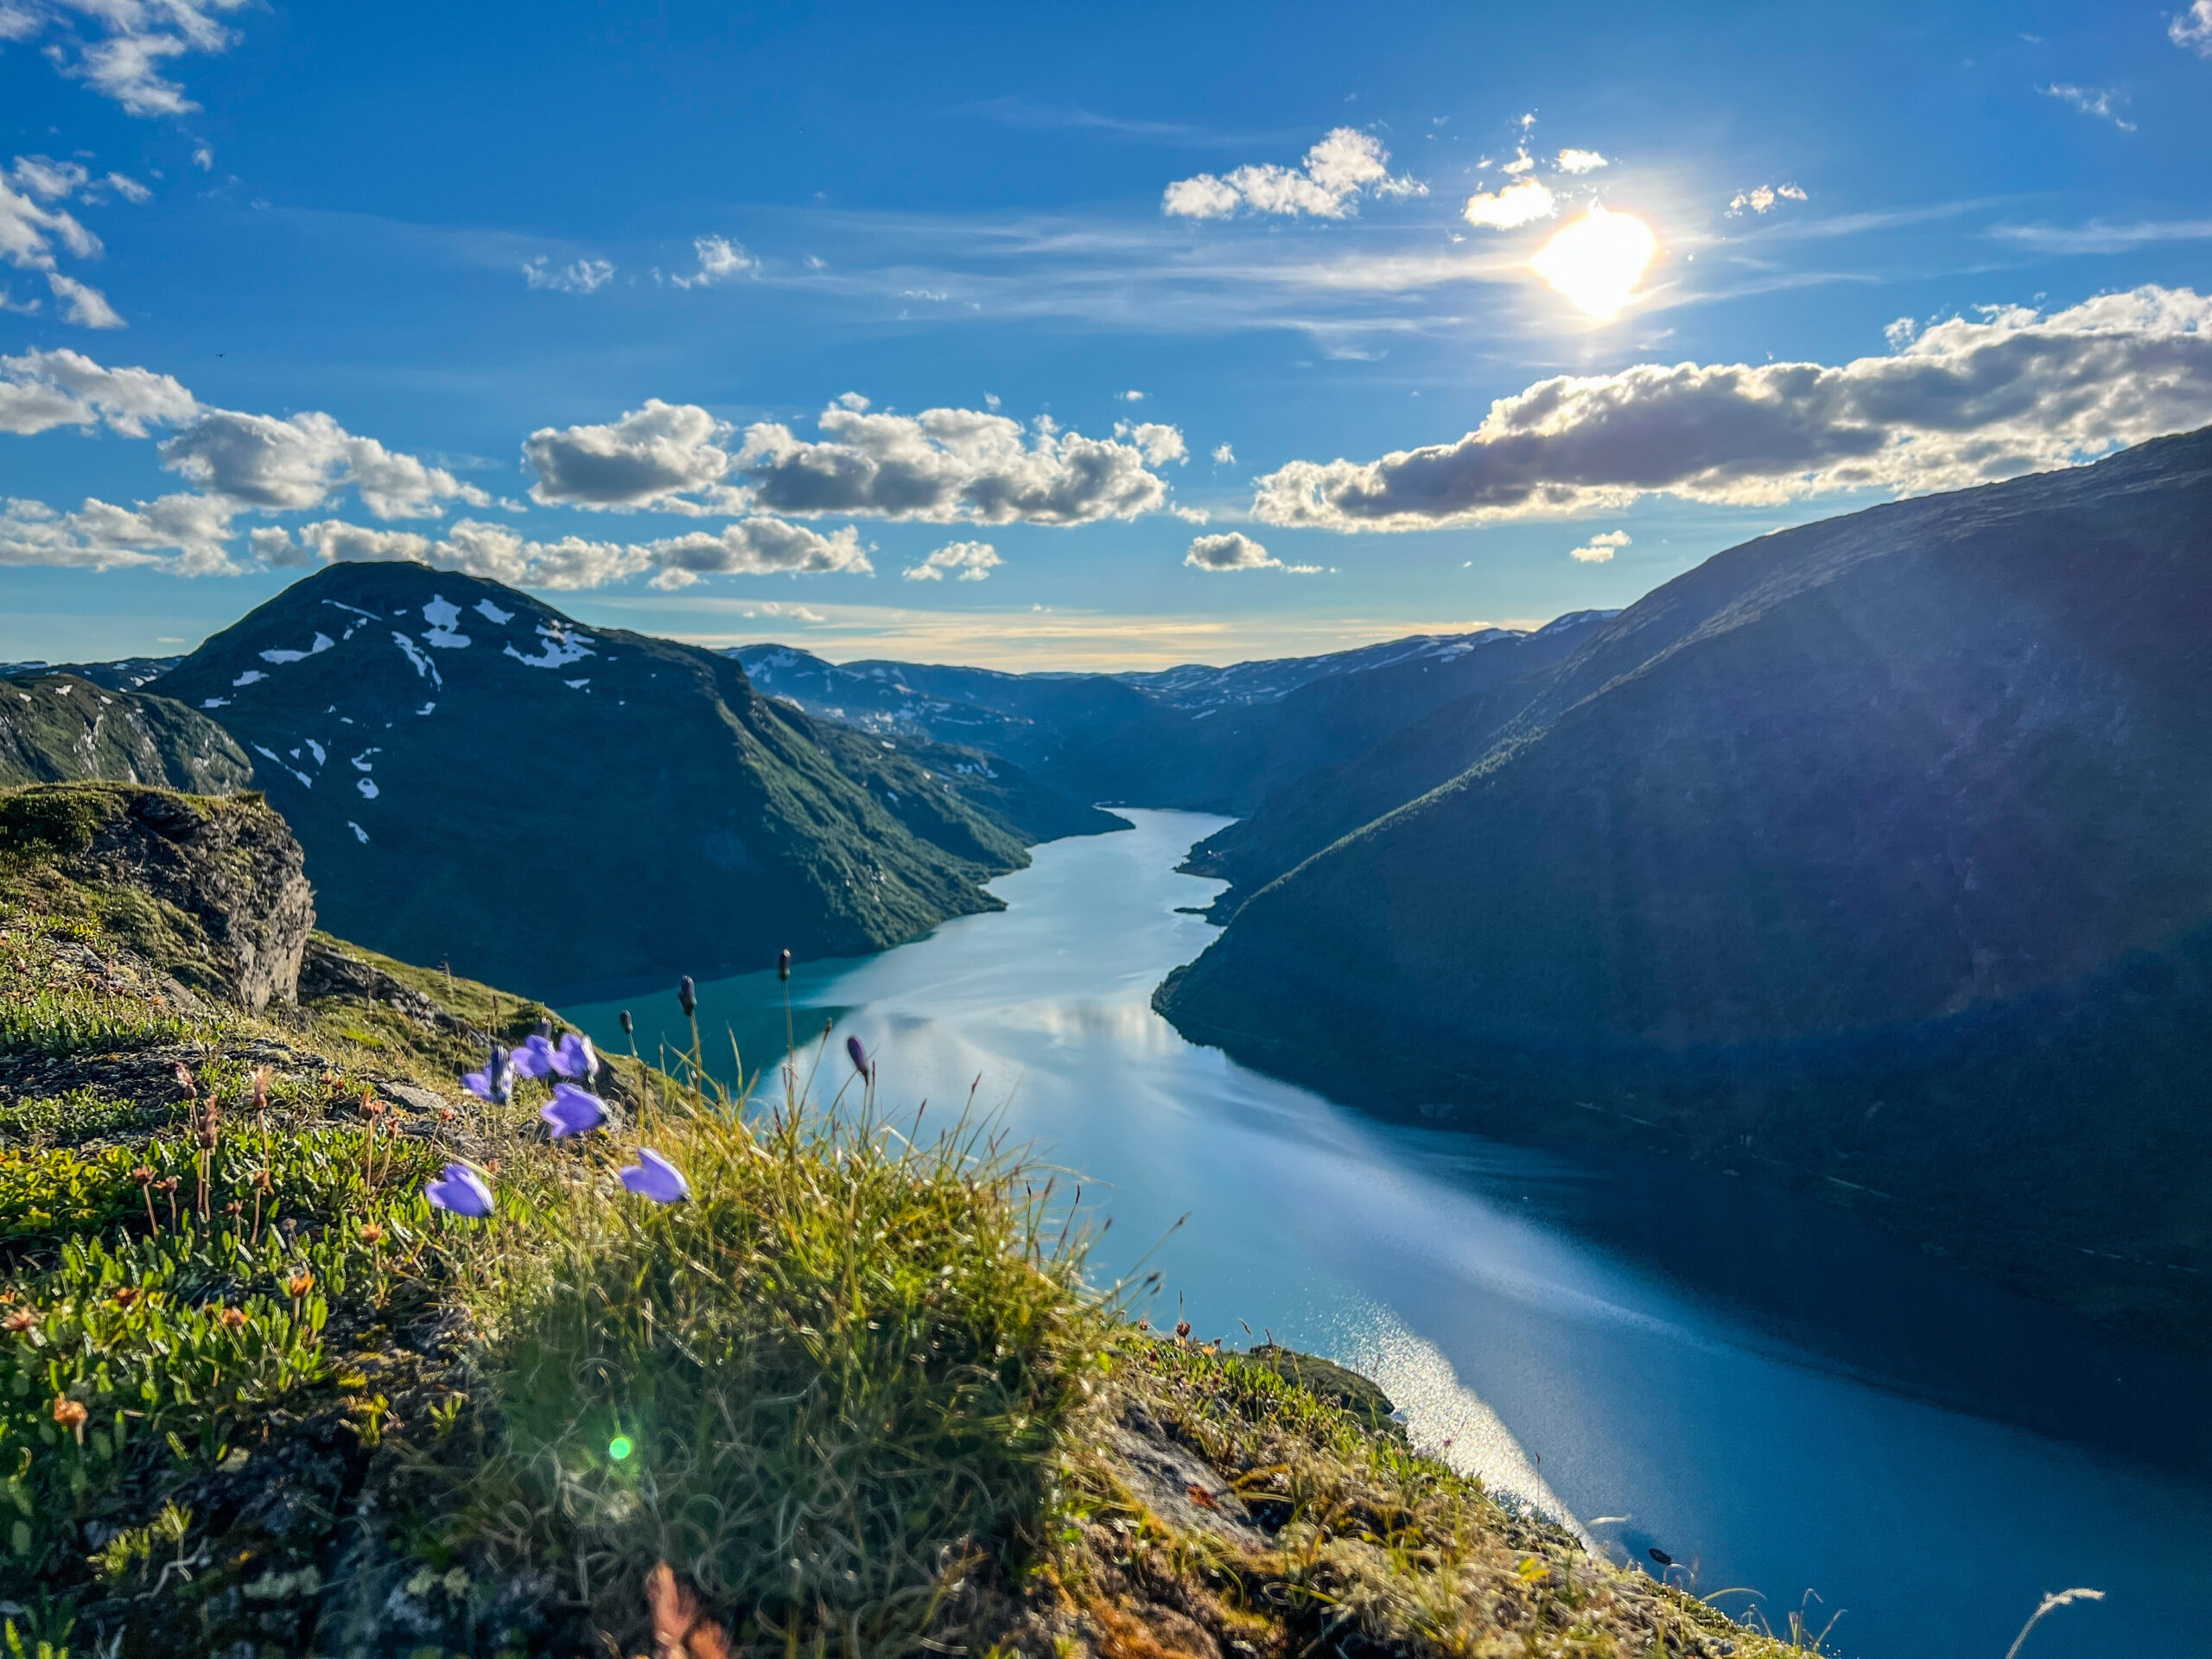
650, 457
258, 460
1966, 402
42, 390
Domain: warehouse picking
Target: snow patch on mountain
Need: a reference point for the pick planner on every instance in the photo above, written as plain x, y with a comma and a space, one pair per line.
560, 649
491, 612
281, 654
441, 613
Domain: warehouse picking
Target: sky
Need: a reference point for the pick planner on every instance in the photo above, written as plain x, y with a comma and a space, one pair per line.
1058, 337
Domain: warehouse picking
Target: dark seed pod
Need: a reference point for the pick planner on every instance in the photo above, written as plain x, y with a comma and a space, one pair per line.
784, 967
687, 996
629, 1025
857, 1054
1661, 1556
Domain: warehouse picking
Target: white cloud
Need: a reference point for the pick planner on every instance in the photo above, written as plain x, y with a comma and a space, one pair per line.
1966, 402
119, 47
1600, 548
42, 390
28, 228
1579, 161
129, 188
1761, 198
1130, 397
720, 259
1230, 551
974, 561
1517, 204
1156, 441
1346, 164
2102, 102
951, 466
1224, 456
750, 547
258, 460
187, 535
756, 547
84, 304
578, 276
652, 457
2192, 29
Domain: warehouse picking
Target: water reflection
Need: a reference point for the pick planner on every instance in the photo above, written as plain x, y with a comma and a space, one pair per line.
1769, 1393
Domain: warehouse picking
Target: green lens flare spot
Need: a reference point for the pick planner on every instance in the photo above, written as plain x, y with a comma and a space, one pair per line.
620, 1447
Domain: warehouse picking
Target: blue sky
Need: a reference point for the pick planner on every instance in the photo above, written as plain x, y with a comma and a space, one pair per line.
570, 295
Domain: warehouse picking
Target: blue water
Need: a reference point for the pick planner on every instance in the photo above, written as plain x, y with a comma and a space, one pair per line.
1778, 1398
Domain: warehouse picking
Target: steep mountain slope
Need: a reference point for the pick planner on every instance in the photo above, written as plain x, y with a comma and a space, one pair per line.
1873, 850
58, 728
1218, 739
478, 779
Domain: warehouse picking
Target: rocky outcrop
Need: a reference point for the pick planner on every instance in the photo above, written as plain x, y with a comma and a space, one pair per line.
59, 728
213, 891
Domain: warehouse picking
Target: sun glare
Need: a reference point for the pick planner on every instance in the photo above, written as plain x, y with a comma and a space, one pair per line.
1598, 260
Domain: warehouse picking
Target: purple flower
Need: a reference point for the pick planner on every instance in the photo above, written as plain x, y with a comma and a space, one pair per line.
858, 1055
572, 1110
653, 1177
496, 1082
575, 1057
687, 996
535, 1057
463, 1192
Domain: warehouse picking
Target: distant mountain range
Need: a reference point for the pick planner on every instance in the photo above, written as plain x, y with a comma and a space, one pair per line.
1875, 854
1212, 738
478, 778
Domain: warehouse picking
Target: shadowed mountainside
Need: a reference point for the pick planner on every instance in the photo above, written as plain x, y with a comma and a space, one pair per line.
1870, 853
478, 779
68, 728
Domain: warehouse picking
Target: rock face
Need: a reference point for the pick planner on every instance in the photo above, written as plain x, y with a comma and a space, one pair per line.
1872, 849
215, 889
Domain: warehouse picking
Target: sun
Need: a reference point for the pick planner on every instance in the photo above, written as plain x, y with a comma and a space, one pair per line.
1598, 260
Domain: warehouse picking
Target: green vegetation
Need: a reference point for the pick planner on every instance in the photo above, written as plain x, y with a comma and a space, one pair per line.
59, 726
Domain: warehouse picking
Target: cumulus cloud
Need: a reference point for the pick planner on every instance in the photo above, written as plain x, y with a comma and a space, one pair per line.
187, 534
1600, 548
578, 276
1763, 198
750, 547
948, 466
1224, 456
1158, 443
720, 259
82, 303
2102, 102
42, 390
2192, 29
1579, 161
757, 547
652, 457
258, 460
1964, 401
119, 47
974, 561
1230, 551
1519, 203
1346, 165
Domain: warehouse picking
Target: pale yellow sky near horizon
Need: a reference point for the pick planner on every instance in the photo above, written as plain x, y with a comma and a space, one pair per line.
1026, 640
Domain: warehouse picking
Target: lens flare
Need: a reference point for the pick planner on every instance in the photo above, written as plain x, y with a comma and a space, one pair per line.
620, 1447
1597, 261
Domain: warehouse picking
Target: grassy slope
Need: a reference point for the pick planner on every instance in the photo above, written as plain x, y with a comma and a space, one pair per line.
321, 1417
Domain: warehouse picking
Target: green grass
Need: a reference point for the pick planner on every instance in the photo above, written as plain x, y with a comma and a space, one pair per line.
822, 1387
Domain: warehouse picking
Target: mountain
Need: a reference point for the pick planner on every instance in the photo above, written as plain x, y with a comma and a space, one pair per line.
1212, 738
478, 779
1870, 854
68, 728
125, 674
